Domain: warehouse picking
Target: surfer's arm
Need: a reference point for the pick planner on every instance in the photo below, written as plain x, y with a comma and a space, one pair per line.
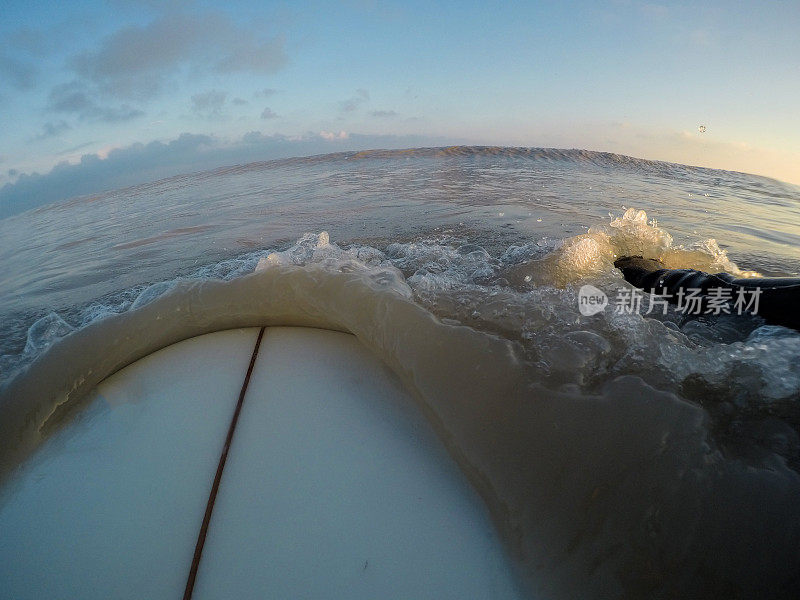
779, 298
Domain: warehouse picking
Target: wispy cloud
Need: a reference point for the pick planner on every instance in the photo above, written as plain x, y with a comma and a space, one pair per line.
353, 104
332, 135
209, 103
383, 113
52, 129
135, 62
75, 148
75, 98
268, 113
265, 93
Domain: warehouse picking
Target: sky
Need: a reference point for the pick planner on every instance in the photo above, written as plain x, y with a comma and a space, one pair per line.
98, 95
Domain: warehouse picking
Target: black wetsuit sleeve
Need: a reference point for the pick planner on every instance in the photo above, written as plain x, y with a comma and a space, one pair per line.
778, 302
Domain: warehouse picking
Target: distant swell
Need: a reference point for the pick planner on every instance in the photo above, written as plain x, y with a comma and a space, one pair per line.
603, 160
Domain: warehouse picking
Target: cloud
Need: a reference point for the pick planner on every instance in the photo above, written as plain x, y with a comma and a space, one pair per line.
240, 102
383, 113
332, 135
52, 129
140, 163
265, 93
74, 98
210, 102
268, 113
19, 73
75, 148
354, 103
69, 98
135, 62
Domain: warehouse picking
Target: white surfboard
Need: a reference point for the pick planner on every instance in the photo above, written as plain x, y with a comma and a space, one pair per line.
334, 486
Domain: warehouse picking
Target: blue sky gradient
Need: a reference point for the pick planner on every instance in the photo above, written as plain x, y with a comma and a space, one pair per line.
86, 79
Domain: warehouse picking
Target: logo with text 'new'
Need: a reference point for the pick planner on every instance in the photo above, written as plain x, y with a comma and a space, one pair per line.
591, 300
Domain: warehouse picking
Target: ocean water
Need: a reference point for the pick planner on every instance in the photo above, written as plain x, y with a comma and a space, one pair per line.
621, 454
